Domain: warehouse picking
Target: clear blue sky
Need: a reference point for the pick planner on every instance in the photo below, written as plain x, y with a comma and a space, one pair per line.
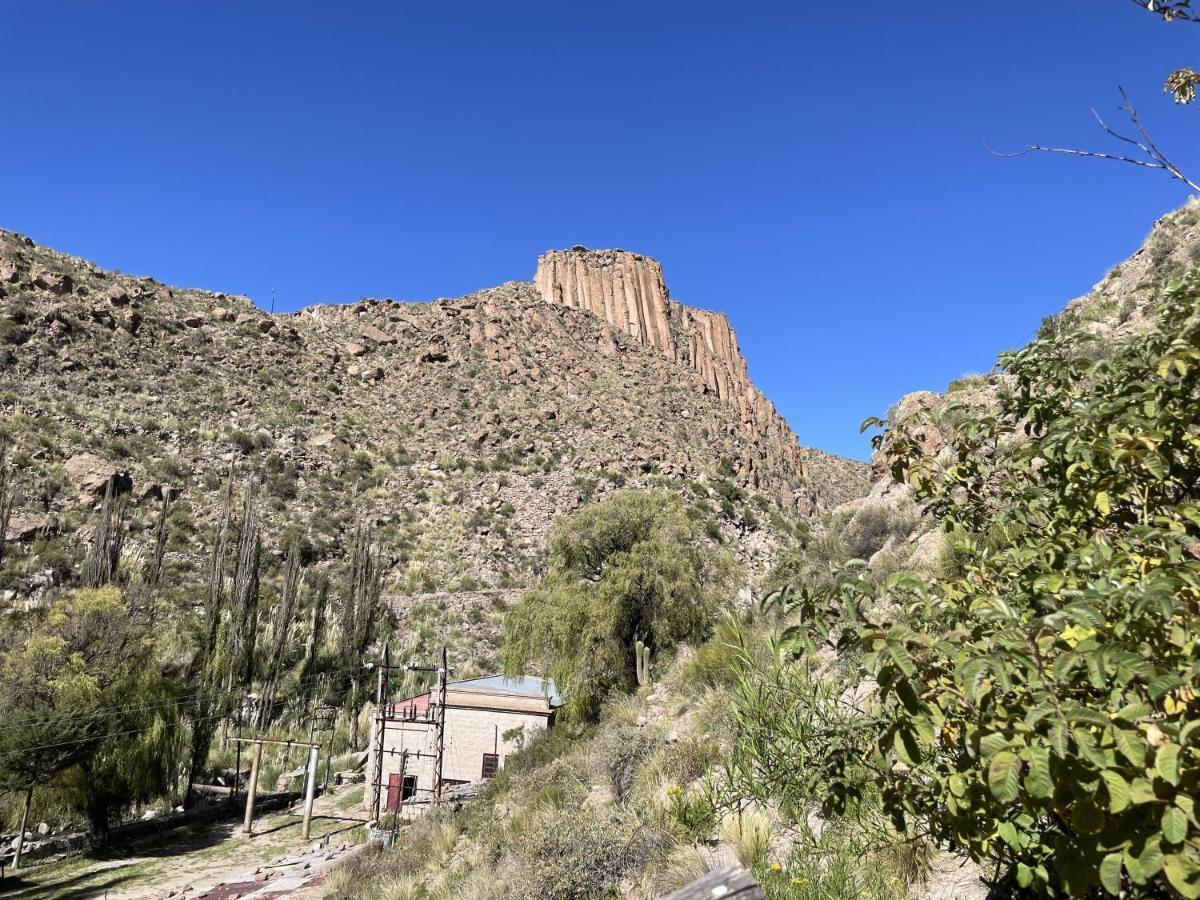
816, 174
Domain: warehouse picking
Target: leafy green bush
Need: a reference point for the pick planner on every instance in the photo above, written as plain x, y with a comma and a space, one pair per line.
1041, 709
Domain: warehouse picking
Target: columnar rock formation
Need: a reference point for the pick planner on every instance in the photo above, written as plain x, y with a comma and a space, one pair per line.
628, 291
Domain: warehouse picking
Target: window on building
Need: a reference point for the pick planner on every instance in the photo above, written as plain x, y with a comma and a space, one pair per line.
410, 786
491, 764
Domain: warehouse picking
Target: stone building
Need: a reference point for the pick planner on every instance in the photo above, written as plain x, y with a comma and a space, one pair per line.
486, 720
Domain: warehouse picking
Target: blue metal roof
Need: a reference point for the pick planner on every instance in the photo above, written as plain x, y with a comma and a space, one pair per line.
519, 684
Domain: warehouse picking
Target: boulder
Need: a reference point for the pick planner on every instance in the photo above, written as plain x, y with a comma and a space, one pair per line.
435, 353
354, 349
54, 282
221, 314
193, 321
25, 526
91, 475
373, 374
375, 335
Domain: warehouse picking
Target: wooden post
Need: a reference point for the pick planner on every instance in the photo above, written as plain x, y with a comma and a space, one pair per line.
728, 882
252, 788
21, 834
310, 788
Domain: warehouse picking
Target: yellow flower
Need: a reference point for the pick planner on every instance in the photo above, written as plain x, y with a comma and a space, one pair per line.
776, 867
799, 881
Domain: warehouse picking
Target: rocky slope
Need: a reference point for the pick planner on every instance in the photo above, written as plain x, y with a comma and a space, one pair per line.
1119, 304
461, 427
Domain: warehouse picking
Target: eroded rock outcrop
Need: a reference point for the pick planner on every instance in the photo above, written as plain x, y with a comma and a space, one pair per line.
628, 291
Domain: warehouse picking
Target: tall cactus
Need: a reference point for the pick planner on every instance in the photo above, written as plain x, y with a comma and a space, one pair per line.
641, 654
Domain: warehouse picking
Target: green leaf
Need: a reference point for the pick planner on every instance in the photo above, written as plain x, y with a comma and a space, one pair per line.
1182, 872
1132, 745
1118, 790
906, 746
1004, 775
1174, 825
1038, 781
1166, 763
1102, 503
1008, 833
1110, 873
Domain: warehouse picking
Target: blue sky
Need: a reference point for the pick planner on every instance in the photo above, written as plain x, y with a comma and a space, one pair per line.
817, 174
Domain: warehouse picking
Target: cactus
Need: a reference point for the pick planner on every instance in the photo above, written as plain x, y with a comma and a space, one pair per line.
641, 654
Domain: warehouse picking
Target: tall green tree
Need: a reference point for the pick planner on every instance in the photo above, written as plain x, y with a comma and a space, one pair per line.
638, 566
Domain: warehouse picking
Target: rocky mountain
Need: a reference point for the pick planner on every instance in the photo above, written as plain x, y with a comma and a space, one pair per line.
460, 427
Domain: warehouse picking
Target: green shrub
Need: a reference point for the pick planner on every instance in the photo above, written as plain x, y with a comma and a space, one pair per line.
577, 854
1041, 710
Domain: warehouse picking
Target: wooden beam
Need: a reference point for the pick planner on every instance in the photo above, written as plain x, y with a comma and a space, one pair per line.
725, 883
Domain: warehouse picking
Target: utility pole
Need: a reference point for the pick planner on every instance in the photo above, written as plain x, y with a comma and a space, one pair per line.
252, 788
310, 788
21, 834
441, 728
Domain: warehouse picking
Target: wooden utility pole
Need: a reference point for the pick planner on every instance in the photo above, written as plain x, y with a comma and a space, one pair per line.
310, 788
21, 834
441, 728
252, 788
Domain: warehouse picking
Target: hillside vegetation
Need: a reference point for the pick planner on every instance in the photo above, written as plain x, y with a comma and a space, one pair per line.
993, 657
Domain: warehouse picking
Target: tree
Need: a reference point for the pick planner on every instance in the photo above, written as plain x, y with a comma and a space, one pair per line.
359, 613
1040, 709
636, 567
80, 693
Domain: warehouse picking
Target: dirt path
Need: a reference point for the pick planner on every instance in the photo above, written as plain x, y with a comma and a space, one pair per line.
214, 861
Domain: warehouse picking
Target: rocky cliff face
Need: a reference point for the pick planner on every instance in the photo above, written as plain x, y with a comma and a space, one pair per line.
628, 291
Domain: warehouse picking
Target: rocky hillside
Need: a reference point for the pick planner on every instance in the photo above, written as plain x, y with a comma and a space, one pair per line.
1121, 303
462, 427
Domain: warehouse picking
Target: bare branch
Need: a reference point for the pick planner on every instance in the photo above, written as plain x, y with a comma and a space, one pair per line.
1154, 158
1169, 10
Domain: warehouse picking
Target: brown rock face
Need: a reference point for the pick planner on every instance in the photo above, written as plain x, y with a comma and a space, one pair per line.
627, 290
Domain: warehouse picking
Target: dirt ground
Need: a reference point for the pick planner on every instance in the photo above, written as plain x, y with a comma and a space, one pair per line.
214, 861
